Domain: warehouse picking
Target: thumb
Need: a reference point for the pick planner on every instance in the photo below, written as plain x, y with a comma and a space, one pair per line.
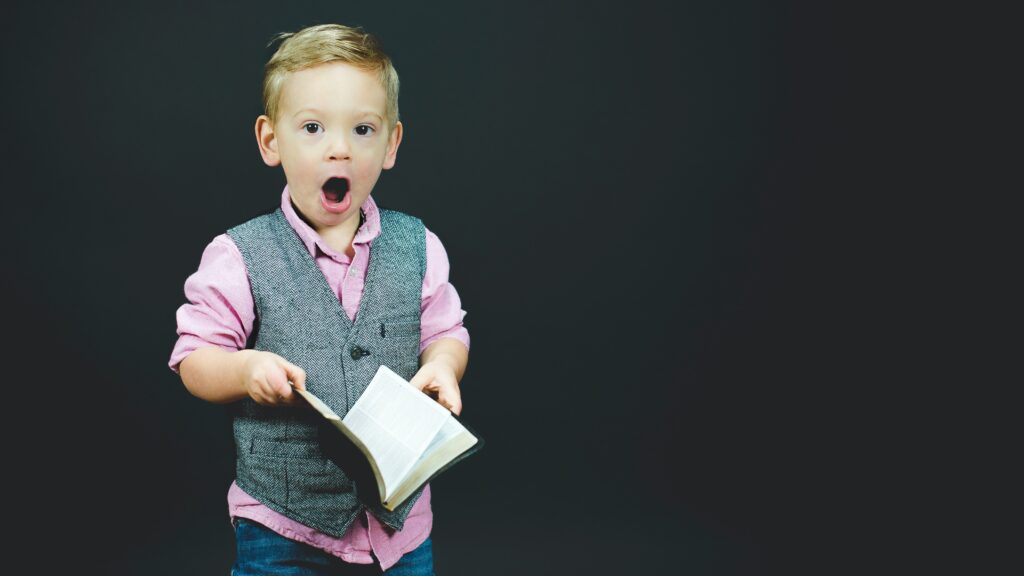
296, 375
420, 379
277, 379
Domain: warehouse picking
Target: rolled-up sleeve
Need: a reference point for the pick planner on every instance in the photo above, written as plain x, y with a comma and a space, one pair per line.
441, 312
220, 310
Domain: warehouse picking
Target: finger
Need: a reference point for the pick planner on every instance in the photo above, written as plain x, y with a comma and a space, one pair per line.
264, 395
271, 389
277, 381
450, 398
259, 389
296, 375
453, 406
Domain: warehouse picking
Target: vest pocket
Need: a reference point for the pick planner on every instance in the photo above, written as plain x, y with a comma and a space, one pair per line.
300, 449
399, 344
400, 327
318, 476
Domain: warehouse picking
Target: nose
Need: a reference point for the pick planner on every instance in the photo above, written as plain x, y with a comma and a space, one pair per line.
338, 148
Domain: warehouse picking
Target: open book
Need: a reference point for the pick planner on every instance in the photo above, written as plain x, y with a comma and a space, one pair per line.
405, 434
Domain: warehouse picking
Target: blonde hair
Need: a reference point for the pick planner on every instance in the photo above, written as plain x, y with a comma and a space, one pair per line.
322, 44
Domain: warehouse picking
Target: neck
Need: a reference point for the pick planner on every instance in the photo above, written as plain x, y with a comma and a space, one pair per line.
340, 237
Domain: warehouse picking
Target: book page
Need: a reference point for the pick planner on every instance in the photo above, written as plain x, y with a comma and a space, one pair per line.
396, 422
453, 439
449, 430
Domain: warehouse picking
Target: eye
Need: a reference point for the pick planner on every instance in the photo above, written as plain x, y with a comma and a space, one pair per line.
364, 129
308, 124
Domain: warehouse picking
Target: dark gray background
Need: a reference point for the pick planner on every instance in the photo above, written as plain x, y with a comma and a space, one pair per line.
657, 218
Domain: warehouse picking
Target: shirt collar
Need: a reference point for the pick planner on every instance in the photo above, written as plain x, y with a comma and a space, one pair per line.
311, 238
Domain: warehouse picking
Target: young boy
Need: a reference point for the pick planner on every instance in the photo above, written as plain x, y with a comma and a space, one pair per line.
318, 294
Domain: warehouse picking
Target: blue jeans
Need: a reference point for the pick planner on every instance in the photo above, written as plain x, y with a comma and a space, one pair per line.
263, 552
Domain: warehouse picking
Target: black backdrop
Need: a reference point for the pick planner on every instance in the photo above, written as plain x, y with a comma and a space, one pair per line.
648, 213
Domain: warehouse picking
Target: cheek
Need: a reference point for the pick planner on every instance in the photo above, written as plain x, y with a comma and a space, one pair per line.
371, 176
366, 170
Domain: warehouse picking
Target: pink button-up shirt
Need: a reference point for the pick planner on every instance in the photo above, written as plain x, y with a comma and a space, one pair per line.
221, 313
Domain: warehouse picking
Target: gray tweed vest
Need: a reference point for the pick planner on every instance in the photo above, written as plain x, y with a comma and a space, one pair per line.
282, 457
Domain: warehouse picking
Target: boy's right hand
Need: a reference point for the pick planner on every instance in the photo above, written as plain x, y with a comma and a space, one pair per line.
265, 376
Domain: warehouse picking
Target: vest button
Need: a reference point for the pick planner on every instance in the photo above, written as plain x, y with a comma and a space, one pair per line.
358, 352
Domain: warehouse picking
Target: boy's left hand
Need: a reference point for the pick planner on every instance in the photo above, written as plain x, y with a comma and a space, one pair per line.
437, 378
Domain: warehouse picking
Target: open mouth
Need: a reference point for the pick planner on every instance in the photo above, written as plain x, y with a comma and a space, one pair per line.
335, 189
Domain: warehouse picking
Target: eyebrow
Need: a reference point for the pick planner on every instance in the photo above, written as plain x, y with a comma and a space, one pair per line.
363, 113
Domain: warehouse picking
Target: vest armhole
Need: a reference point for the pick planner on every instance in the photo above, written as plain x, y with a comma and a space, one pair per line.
250, 342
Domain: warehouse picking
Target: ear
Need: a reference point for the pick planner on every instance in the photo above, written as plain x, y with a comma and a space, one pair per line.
393, 141
267, 141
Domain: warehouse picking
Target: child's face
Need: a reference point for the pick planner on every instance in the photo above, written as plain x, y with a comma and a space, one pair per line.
330, 127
